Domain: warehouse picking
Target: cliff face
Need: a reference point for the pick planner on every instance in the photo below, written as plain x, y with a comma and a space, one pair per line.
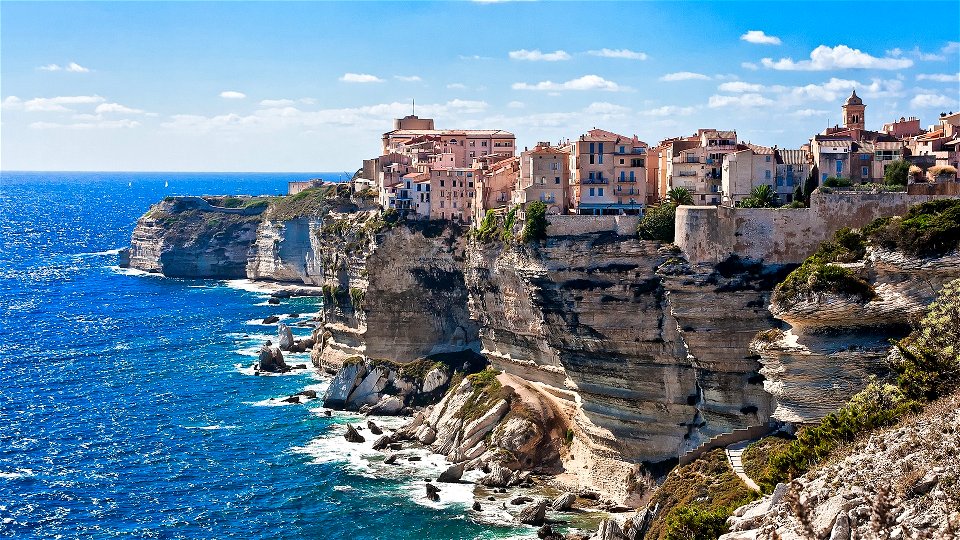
187, 237
834, 342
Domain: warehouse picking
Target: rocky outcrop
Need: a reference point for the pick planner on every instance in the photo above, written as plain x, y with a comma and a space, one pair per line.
271, 360
187, 237
899, 482
833, 344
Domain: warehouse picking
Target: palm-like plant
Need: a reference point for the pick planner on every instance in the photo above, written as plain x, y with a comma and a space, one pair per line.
762, 196
680, 196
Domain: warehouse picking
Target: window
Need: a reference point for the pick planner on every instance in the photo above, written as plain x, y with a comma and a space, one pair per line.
441, 201
622, 150
768, 159
823, 177
632, 178
418, 187
591, 159
473, 143
864, 171
864, 157
600, 148
454, 204
600, 191
621, 161
592, 192
592, 148
623, 176
470, 183
592, 175
557, 180
441, 185
766, 174
483, 143
473, 154
839, 167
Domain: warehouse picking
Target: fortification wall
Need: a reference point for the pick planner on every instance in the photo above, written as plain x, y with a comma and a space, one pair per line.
709, 234
574, 224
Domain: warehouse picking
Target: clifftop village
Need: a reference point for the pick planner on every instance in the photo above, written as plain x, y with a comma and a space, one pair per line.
460, 174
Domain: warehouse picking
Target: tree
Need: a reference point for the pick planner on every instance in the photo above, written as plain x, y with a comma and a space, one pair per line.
762, 196
813, 181
680, 196
535, 226
658, 223
798, 194
896, 173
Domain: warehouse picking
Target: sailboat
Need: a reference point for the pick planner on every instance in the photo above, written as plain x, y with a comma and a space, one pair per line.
166, 184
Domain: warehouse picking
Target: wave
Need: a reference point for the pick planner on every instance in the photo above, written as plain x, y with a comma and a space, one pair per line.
115, 251
250, 286
210, 428
133, 272
19, 473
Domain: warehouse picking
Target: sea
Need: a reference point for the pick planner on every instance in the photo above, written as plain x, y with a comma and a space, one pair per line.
128, 406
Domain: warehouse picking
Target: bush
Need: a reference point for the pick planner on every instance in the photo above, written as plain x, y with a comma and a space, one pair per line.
535, 226
659, 223
487, 229
696, 522
818, 274
896, 173
929, 229
836, 181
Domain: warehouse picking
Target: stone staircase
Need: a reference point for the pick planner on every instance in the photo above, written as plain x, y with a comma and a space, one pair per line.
726, 439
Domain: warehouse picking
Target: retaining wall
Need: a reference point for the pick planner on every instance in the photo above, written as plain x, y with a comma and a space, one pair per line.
573, 224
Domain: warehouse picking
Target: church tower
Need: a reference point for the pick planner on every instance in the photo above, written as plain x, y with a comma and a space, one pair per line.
853, 110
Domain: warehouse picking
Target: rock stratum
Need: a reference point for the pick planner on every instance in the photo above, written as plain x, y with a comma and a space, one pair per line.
616, 355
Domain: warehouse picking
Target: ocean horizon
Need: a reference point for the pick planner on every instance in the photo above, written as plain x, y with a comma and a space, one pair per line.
128, 400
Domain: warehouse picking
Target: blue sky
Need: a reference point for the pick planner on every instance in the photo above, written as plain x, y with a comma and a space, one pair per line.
310, 86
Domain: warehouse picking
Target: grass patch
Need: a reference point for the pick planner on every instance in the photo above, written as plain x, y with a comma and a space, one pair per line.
756, 456
312, 202
698, 496
487, 391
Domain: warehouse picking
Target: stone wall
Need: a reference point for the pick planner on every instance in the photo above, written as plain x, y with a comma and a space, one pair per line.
709, 234
574, 224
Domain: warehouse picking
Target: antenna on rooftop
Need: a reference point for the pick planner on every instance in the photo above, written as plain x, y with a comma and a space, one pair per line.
413, 111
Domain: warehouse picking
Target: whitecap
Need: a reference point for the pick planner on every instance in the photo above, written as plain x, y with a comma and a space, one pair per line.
343, 488
133, 272
250, 286
19, 473
210, 428
115, 251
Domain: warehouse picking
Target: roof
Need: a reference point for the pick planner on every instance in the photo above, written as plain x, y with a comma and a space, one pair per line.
447, 132
757, 149
679, 146
933, 135
854, 99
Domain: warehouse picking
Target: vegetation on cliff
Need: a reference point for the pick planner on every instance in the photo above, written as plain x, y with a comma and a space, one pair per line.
312, 202
535, 224
486, 392
821, 273
926, 365
929, 229
695, 499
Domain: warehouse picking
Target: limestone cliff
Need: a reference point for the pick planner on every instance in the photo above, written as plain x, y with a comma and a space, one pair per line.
189, 237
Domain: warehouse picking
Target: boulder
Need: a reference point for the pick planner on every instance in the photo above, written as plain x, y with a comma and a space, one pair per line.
391, 459
309, 394
272, 319
352, 435
285, 336
498, 477
375, 429
534, 514
273, 302
433, 492
271, 360
343, 384
452, 474
382, 443
523, 499
563, 502
388, 405
476, 506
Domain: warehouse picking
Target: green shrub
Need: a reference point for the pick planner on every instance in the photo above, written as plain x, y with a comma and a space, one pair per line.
818, 274
929, 229
659, 223
508, 222
487, 391
696, 522
232, 202
896, 173
535, 226
837, 181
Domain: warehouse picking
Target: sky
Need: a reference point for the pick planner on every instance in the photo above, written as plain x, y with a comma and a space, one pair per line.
302, 86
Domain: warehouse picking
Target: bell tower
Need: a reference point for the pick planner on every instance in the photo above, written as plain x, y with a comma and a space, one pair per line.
853, 111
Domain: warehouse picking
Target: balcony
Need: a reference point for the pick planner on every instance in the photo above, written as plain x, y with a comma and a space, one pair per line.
596, 181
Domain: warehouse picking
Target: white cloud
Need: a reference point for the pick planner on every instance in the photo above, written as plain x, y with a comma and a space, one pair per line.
456, 86
467, 106
606, 109
939, 77
74, 67
931, 100
669, 110
54, 104
516, 105
840, 57
50, 67
951, 47
760, 38
749, 65
685, 76
271, 103
360, 78
587, 82
116, 108
101, 124
805, 113
742, 100
407, 78
739, 87
537, 56
232, 94
619, 53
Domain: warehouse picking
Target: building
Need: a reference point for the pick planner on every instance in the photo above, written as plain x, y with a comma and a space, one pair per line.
696, 163
495, 183
608, 173
452, 193
752, 165
545, 177
793, 167
296, 187
940, 145
851, 151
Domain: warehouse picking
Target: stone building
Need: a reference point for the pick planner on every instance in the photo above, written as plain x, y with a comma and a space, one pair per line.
608, 173
545, 177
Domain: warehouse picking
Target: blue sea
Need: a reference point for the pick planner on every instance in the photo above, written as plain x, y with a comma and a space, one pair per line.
127, 406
